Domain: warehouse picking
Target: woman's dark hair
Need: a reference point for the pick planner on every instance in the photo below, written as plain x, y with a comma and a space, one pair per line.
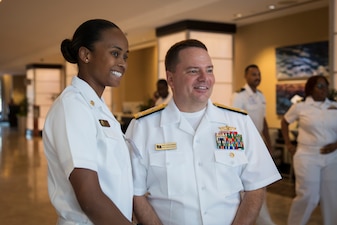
311, 82
85, 35
172, 59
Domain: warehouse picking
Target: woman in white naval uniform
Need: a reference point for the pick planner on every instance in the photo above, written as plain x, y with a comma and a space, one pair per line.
89, 168
315, 158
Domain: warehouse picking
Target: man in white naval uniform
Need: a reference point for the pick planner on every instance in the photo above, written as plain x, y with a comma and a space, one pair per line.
250, 99
192, 159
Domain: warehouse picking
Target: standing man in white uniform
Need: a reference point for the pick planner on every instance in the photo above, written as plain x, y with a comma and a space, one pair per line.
315, 158
89, 168
163, 93
250, 99
192, 158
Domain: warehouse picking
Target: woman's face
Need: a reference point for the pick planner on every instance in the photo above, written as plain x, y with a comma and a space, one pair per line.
320, 91
107, 63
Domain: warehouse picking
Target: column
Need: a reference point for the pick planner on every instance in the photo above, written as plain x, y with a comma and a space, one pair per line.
43, 87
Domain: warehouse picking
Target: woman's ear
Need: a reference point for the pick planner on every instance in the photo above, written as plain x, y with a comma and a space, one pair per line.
84, 54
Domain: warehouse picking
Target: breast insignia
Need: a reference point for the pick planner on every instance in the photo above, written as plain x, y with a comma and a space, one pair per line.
230, 108
149, 111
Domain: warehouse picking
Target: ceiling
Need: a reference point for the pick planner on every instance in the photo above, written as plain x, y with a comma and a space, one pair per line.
31, 31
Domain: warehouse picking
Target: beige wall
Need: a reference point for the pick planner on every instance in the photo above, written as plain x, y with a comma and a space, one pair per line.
139, 81
255, 44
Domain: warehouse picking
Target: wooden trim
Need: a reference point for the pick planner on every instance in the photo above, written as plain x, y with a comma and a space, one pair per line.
44, 66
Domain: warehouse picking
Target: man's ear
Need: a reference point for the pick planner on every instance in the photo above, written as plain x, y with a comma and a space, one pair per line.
169, 78
84, 54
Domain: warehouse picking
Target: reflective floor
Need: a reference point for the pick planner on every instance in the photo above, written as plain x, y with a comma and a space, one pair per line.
23, 184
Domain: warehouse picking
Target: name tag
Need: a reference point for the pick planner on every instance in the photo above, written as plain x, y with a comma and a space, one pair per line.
104, 123
166, 146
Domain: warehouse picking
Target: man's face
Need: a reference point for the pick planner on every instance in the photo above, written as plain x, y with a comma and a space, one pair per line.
193, 79
253, 77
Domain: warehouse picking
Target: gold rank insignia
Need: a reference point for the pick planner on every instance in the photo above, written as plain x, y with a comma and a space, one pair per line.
227, 128
229, 139
166, 146
149, 111
104, 123
233, 109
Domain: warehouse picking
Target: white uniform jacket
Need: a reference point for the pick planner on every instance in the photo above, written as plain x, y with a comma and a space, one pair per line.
317, 122
189, 175
253, 103
81, 132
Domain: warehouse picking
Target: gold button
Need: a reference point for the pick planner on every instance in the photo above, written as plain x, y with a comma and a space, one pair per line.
92, 103
231, 155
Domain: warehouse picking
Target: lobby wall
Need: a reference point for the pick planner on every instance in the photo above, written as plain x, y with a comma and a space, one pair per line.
139, 81
256, 43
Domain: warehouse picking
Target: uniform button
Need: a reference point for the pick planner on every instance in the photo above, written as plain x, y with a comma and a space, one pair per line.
200, 163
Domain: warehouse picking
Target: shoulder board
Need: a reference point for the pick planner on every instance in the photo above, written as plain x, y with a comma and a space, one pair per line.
230, 108
241, 90
149, 111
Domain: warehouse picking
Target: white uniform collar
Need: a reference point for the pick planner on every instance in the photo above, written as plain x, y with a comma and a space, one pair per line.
249, 89
171, 113
323, 105
87, 92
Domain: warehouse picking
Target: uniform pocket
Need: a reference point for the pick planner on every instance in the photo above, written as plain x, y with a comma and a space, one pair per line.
109, 133
229, 165
230, 158
114, 147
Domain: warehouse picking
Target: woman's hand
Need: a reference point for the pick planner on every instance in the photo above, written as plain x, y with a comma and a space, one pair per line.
328, 148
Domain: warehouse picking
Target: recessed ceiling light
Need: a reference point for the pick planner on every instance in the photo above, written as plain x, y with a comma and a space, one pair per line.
237, 15
271, 7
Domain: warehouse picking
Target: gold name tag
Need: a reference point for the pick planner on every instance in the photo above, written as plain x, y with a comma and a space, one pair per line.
166, 146
104, 123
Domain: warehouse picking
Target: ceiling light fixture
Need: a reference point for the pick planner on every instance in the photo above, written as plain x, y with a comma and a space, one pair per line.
271, 7
238, 15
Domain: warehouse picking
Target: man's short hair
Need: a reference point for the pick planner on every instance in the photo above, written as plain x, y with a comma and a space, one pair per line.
172, 55
250, 66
